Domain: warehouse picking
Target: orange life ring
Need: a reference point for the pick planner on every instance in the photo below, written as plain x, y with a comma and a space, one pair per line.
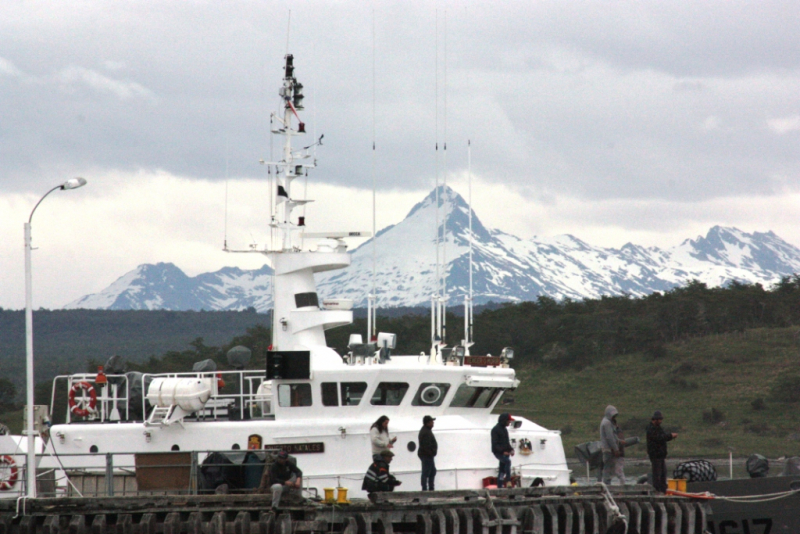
9, 473
85, 402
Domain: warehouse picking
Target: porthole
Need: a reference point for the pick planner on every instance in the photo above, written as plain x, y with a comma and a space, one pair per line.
235, 447
411, 446
431, 394
93, 448
175, 448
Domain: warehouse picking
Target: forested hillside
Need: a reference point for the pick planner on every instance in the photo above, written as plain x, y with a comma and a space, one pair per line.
65, 340
722, 363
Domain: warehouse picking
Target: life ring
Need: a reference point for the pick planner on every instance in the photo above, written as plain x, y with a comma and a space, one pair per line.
9, 473
84, 403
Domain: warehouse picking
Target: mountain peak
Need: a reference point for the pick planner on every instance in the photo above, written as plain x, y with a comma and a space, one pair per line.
503, 267
448, 198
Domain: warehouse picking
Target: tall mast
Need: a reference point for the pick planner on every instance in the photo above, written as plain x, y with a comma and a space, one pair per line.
291, 93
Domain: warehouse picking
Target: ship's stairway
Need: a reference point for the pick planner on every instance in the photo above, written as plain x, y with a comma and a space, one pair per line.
552, 510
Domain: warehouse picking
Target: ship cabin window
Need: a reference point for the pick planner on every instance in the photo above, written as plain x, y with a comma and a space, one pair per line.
430, 394
474, 397
389, 394
330, 396
352, 392
294, 395
305, 300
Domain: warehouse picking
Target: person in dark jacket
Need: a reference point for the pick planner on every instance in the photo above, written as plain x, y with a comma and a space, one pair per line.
427, 451
657, 439
378, 477
283, 474
502, 449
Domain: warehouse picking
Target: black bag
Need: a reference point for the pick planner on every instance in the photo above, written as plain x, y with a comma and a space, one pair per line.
757, 466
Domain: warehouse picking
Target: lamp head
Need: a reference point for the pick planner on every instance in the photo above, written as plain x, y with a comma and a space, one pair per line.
73, 183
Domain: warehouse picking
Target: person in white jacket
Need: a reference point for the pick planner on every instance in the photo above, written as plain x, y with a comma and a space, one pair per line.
379, 436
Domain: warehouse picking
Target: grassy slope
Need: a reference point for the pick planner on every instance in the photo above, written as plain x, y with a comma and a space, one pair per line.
725, 372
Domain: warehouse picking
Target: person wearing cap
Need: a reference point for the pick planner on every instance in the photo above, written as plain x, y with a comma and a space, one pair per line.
283, 474
378, 477
427, 451
657, 439
610, 444
502, 449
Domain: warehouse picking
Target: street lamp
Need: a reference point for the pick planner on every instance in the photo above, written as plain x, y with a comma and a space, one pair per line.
30, 469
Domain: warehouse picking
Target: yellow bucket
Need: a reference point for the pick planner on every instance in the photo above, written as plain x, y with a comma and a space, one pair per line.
676, 484
329, 494
341, 498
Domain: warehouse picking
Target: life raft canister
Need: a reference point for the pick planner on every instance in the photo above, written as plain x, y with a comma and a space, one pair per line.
86, 402
9, 473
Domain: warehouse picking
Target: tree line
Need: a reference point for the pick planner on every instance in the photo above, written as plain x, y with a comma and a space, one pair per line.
566, 334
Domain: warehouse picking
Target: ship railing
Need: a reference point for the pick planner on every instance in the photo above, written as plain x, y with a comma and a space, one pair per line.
158, 473
234, 396
88, 400
124, 398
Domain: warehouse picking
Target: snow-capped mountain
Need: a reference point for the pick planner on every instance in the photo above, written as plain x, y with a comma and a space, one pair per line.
164, 286
505, 267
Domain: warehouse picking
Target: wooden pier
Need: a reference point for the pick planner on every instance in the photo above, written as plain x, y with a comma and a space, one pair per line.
550, 510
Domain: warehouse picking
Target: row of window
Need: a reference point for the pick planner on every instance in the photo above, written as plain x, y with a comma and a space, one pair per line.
387, 394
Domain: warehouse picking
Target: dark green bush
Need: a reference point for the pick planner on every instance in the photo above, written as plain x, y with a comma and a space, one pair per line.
713, 416
786, 388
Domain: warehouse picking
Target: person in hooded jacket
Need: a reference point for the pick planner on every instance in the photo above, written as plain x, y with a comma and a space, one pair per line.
502, 449
610, 444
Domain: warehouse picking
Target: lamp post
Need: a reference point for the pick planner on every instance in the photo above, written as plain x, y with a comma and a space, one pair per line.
30, 468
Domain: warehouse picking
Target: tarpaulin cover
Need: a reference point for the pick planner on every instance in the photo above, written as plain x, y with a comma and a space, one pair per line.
695, 471
590, 452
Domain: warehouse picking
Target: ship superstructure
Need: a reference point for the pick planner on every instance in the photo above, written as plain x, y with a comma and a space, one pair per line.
311, 401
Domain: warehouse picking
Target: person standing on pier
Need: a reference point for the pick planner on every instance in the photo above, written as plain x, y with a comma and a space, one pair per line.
502, 449
426, 452
609, 443
379, 436
657, 439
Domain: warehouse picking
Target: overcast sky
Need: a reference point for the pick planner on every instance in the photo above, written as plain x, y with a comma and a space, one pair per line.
646, 122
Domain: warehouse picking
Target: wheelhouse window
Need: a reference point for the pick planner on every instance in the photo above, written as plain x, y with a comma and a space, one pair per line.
430, 394
290, 395
352, 392
389, 394
474, 397
305, 300
329, 394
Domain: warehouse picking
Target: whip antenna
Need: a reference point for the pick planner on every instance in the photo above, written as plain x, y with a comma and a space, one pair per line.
372, 312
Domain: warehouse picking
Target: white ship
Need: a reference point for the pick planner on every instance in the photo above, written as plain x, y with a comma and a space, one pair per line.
311, 401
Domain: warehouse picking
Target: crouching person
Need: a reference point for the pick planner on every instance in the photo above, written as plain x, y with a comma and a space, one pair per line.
378, 477
283, 475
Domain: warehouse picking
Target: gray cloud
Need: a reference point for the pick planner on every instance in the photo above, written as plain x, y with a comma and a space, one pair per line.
660, 100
